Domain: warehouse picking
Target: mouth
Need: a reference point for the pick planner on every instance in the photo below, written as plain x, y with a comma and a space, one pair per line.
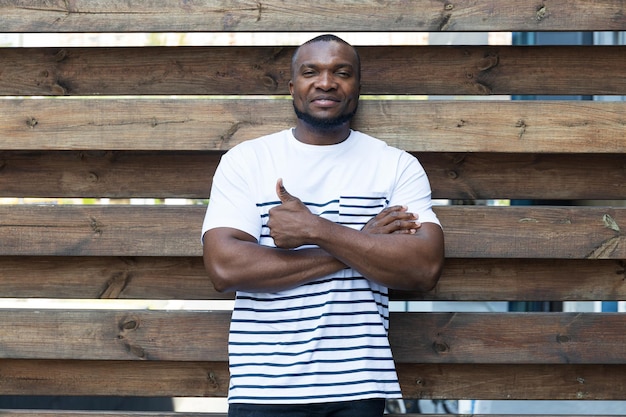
325, 101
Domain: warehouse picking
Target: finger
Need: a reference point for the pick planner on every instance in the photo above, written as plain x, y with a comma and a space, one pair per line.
392, 209
282, 192
396, 215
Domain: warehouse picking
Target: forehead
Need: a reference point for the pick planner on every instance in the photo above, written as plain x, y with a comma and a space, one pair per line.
325, 53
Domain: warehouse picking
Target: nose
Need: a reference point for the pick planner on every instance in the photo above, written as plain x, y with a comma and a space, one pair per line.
326, 81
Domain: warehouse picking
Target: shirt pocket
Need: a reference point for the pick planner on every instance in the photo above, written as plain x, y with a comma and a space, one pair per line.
355, 210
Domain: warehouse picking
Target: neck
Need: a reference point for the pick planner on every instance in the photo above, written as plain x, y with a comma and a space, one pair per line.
310, 135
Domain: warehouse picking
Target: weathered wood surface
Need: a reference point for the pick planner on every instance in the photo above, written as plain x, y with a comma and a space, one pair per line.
449, 70
218, 125
488, 338
184, 278
114, 335
101, 230
325, 15
95, 278
435, 381
513, 382
115, 378
541, 232
85, 146
507, 338
187, 174
112, 174
526, 280
471, 231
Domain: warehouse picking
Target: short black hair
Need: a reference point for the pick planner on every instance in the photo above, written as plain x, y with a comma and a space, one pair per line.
328, 37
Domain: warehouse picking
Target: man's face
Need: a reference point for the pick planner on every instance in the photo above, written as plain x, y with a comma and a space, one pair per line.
325, 84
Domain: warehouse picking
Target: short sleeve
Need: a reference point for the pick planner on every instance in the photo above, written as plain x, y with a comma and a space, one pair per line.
413, 189
231, 203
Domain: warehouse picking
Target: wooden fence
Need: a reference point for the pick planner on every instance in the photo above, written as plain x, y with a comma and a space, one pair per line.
138, 122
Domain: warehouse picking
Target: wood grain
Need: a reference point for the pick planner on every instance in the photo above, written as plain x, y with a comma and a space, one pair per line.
508, 338
184, 278
114, 334
513, 381
423, 126
325, 15
62, 175
487, 338
434, 381
443, 70
471, 231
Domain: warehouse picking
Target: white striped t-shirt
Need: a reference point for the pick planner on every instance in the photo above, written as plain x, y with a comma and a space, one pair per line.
326, 340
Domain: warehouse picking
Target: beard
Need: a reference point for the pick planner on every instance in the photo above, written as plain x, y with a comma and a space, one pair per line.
324, 124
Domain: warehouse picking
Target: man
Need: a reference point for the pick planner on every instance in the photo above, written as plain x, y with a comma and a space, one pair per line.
311, 226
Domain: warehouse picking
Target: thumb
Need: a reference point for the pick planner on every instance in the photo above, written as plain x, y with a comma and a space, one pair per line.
282, 192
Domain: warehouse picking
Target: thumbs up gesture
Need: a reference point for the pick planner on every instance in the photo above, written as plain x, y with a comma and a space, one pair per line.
291, 222
282, 192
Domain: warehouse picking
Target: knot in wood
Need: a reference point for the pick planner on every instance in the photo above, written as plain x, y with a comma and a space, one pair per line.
31, 122
213, 380
269, 82
488, 62
542, 12
92, 177
130, 324
58, 89
137, 351
96, 226
61, 55
441, 347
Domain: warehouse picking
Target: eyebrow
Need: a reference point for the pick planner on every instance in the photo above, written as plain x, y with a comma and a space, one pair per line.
315, 66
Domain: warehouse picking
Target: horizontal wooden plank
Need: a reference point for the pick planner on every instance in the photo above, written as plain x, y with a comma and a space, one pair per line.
448, 70
325, 15
210, 379
107, 174
513, 382
190, 336
537, 232
115, 378
526, 280
552, 177
184, 278
189, 174
500, 126
471, 231
103, 278
101, 230
508, 338
114, 334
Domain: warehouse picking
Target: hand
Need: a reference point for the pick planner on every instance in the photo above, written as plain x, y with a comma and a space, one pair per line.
289, 222
394, 219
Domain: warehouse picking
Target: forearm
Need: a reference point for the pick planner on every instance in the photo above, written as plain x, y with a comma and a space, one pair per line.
244, 265
401, 261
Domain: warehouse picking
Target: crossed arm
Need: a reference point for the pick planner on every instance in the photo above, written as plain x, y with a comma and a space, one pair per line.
392, 249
